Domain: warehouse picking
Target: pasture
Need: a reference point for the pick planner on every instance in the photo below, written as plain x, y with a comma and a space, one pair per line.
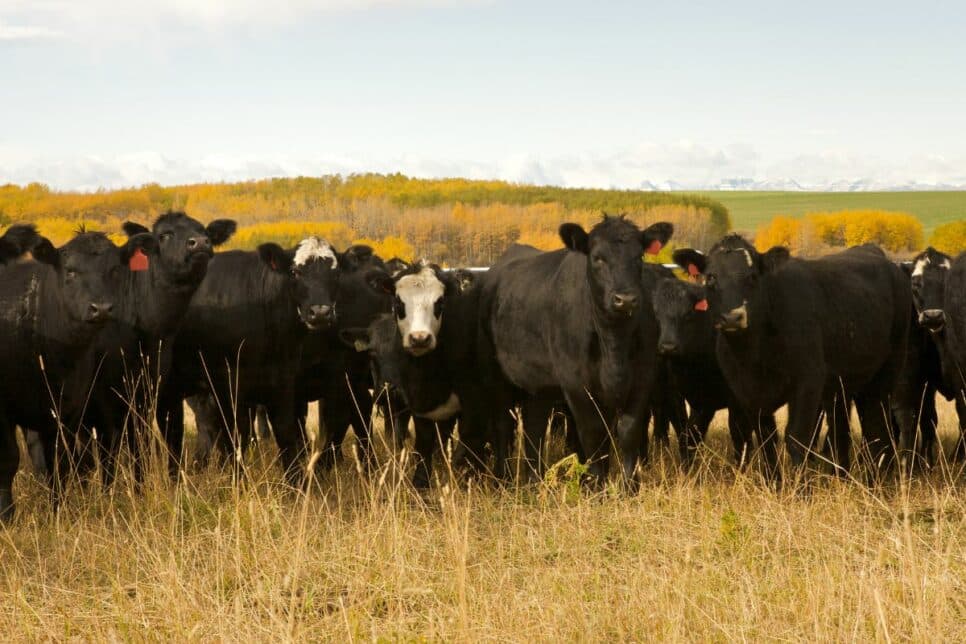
751, 209
711, 556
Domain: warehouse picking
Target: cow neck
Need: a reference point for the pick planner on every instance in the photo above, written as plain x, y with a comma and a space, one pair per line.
153, 303
614, 337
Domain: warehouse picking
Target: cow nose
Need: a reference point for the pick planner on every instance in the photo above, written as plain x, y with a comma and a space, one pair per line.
666, 347
932, 318
99, 312
420, 339
625, 302
732, 320
319, 313
199, 243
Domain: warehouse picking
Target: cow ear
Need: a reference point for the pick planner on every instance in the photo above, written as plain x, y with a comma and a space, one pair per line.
220, 230
45, 253
774, 258
356, 255
656, 236
395, 266
131, 228
277, 258
357, 338
575, 237
381, 281
18, 240
135, 251
692, 261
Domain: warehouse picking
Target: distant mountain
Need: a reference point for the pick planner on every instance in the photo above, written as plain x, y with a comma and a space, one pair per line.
791, 185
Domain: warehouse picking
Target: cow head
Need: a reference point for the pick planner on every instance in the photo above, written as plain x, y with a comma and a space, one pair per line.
365, 287
928, 272
17, 241
420, 293
731, 273
184, 245
380, 340
312, 273
87, 268
614, 248
682, 313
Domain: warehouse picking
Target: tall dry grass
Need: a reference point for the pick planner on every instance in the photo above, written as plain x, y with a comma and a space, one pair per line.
713, 556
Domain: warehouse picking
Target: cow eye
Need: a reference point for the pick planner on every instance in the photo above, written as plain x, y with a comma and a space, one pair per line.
438, 308
296, 273
165, 236
399, 308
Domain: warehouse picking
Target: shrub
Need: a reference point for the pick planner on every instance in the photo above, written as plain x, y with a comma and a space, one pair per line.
950, 238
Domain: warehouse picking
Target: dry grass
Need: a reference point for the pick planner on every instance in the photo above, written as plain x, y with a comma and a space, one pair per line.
713, 556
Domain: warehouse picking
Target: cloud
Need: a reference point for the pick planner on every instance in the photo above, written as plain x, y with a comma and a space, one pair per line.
681, 165
24, 32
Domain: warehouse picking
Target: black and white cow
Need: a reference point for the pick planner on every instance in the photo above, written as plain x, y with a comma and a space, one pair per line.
243, 339
575, 321
932, 365
51, 310
687, 342
425, 350
810, 333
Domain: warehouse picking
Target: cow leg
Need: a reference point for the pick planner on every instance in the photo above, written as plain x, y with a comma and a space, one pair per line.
536, 415
170, 416
694, 434
430, 436
592, 433
360, 419
804, 411
959, 455
9, 463
289, 435
767, 431
928, 422
874, 415
263, 429
741, 429
839, 434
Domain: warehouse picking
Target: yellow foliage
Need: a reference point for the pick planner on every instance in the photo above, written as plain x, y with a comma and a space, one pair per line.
60, 230
893, 231
950, 238
389, 247
288, 234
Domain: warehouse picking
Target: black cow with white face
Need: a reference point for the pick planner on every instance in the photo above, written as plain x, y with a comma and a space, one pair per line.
575, 321
17, 241
425, 350
51, 310
243, 341
687, 342
815, 334
931, 365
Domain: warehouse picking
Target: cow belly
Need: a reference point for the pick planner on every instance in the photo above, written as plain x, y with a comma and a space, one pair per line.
445, 411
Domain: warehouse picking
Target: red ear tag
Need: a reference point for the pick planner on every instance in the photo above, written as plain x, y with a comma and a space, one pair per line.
654, 248
274, 265
693, 270
701, 305
138, 261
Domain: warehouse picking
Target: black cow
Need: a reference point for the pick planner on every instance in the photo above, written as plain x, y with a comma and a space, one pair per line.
426, 351
575, 321
687, 342
134, 351
810, 333
50, 311
936, 348
243, 339
17, 241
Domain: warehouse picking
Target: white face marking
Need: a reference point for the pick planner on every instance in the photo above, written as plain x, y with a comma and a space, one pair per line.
314, 248
748, 258
920, 267
445, 411
419, 293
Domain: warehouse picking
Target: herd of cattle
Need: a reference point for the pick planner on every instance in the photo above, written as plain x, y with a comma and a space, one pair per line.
96, 339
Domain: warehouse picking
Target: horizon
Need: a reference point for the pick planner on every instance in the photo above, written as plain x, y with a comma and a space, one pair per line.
640, 96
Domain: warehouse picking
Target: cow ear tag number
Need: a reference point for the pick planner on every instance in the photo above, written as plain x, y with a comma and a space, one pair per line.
138, 261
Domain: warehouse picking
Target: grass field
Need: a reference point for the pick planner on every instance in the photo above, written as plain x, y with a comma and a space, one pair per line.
714, 556
751, 209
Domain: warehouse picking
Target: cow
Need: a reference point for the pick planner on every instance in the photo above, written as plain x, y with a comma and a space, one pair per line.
687, 342
936, 349
575, 321
51, 309
425, 350
17, 241
243, 339
815, 334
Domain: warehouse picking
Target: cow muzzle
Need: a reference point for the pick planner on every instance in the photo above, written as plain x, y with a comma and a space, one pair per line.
932, 319
419, 343
318, 316
734, 320
98, 313
667, 347
625, 303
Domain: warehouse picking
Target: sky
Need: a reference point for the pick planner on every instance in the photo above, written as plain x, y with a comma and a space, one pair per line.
97, 93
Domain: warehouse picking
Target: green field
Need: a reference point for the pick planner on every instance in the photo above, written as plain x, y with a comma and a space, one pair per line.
750, 209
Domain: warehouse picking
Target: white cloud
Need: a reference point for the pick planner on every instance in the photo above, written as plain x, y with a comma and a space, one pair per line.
25, 32
684, 165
